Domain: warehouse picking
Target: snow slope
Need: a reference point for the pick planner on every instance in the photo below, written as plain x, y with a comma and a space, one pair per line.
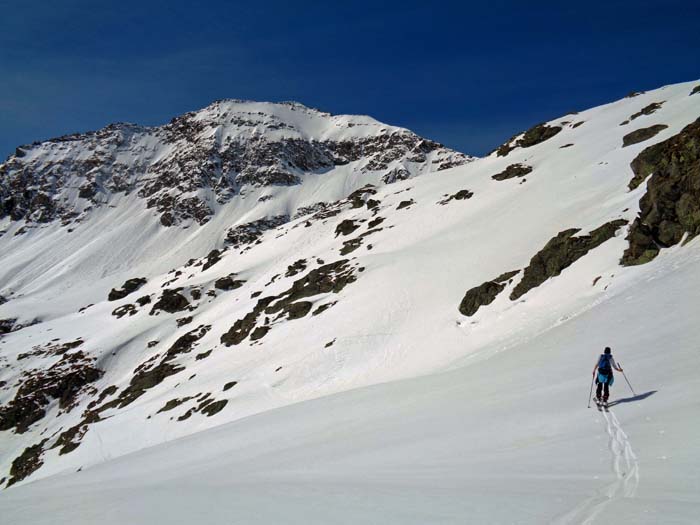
413, 413
494, 443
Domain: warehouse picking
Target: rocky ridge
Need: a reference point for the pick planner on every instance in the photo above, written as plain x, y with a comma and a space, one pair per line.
186, 169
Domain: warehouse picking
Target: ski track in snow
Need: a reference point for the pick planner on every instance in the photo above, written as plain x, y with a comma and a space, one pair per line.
626, 470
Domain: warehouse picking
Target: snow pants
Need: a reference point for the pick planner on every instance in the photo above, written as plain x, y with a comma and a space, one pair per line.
605, 389
604, 382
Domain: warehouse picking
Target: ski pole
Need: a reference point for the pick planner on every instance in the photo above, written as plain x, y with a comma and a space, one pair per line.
628, 381
591, 392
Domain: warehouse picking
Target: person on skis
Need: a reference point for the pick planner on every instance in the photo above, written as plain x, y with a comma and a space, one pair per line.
605, 379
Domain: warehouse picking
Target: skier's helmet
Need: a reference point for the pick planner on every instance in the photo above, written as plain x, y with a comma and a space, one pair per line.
607, 349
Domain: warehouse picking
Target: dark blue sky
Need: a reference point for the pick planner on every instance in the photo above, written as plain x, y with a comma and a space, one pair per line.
468, 75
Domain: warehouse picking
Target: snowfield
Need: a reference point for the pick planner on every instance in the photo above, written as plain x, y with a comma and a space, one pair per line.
362, 394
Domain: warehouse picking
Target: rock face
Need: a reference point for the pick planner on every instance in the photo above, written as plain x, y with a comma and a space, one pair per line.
670, 208
560, 253
187, 168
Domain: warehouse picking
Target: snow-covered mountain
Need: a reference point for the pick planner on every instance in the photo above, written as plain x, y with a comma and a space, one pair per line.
186, 170
236, 267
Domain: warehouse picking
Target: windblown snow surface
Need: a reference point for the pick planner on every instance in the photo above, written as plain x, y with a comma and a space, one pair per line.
415, 413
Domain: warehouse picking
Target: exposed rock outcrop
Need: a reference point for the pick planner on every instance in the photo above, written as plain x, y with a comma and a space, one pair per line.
329, 278
647, 110
250, 232
461, 195
561, 252
484, 294
26, 463
642, 134
61, 381
514, 170
533, 136
228, 283
170, 301
670, 208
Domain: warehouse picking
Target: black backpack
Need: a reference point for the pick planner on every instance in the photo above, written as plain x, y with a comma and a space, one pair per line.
604, 364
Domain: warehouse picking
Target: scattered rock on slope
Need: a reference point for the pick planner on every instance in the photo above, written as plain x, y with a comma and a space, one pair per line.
142, 381
514, 170
250, 232
671, 206
206, 406
351, 245
212, 258
361, 197
537, 135
329, 278
62, 381
170, 301
174, 403
185, 343
7, 325
346, 227
124, 309
295, 268
228, 283
533, 136
647, 110
461, 195
26, 463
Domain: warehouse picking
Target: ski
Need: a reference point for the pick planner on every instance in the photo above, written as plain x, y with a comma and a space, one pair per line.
602, 405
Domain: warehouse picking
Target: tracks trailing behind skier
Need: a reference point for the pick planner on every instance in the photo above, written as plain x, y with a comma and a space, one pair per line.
625, 468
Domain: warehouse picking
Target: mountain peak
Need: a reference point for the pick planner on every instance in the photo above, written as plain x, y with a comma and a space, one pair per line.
188, 168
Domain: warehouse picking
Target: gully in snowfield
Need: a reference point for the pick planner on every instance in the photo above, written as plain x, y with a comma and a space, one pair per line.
604, 366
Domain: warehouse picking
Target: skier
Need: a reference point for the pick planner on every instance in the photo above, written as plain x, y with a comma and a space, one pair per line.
604, 366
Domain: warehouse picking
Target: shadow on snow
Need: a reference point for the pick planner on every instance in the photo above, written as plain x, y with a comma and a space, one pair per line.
638, 397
